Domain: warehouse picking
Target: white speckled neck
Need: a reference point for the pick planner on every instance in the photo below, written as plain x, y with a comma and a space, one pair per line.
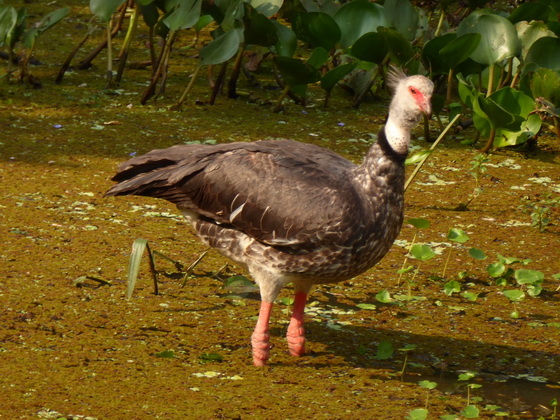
398, 135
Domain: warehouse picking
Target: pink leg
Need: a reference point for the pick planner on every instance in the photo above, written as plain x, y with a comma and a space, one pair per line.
260, 340
296, 332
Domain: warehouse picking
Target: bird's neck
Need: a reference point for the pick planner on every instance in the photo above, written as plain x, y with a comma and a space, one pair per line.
397, 133
382, 168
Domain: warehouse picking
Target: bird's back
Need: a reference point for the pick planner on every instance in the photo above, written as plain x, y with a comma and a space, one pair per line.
297, 205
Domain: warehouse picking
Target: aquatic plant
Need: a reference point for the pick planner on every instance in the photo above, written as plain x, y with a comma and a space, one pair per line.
477, 169
14, 30
454, 235
540, 210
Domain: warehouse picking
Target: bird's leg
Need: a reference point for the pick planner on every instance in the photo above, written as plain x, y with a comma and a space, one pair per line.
296, 332
260, 340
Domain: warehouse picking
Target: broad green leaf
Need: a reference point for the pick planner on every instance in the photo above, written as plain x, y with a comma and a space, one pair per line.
400, 49
534, 290
317, 29
528, 129
451, 287
529, 33
332, 77
104, 9
431, 53
457, 235
514, 101
470, 296
51, 19
470, 412
530, 12
259, 30
287, 40
366, 306
318, 57
498, 40
240, 284
185, 14
8, 21
458, 50
422, 252
545, 83
202, 22
523, 276
541, 53
357, 18
466, 376
384, 350
408, 347
513, 260
417, 414
427, 384
402, 16
296, 72
222, 48
18, 30
384, 296
150, 13
267, 7
47, 22
232, 12
370, 47
287, 301
496, 269
467, 92
419, 223
514, 295
477, 254
496, 112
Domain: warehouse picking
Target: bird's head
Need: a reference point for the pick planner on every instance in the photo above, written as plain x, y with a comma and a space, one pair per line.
411, 100
411, 96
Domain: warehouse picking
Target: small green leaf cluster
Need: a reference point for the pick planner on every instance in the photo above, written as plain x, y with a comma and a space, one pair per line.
540, 210
503, 271
14, 30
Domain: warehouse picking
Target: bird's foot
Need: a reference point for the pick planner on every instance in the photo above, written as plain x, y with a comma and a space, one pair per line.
260, 342
296, 340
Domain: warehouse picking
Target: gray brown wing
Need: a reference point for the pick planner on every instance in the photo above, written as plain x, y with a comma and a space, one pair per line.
279, 192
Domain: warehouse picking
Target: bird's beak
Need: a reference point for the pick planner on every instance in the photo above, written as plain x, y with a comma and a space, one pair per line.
426, 108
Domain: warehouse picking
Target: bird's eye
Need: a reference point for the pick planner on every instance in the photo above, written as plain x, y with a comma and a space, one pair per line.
413, 90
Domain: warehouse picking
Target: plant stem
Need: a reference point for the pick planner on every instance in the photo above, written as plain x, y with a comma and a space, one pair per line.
440, 22
148, 93
71, 56
192, 267
278, 105
404, 364
432, 147
374, 75
449, 83
219, 82
109, 57
490, 141
126, 44
406, 259
232, 84
446, 262
490, 80
189, 87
